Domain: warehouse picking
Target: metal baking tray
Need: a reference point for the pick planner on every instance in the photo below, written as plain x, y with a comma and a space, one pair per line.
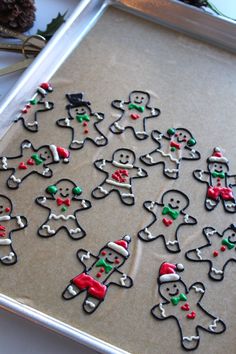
171, 13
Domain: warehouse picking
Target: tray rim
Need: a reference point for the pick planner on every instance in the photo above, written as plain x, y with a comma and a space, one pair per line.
185, 18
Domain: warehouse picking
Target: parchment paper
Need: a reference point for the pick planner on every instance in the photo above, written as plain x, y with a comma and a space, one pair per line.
194, 85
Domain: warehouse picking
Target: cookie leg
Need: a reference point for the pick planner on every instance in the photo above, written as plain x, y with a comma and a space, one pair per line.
190, 342
102, 190
91, 303
76, 143
148, 233
127, 196
210, 203
171, 169
152, 158
139, 131
230, 205
13, 182
97, 137
172, 245
74, 229
216, 326
216, 274
47, 229
7, 255
117, 127
70, 292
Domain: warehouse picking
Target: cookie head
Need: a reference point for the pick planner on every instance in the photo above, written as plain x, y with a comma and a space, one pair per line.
45, 154
124, 157
230, 233
218, 168
64, 188
80, 113
175, 200
139, 97
181, 136
116, 252
217, 162
5, 206
172, 289
170, 283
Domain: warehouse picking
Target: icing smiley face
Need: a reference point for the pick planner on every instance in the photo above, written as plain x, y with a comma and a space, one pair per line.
139, 97
80, 111
111, 257
175, 200
230, 234
172, 289
65, 188
5, 206
45, 155
218, 167
124, 157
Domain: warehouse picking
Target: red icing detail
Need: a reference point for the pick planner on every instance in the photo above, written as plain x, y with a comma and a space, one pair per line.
175, 144
98, 275
86, 282
185, 307
45, 85
7, 209
191, 315
215, 192
218, 184
22, 166
218, 179
218, 154
102, 270
2, 228
167, 268
167, 222
30, 162
85, 124
185, 140
121, 243
103, 253
63, 153
119, 175
24, 110
61, 201
134, 116
222, 248
86, 131
28, 105
176, 134
117, 261
215, 253
2, 234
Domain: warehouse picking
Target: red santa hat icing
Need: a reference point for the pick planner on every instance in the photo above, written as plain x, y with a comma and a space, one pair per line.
121, 246
168, 273
44, 88
59, 152
217, 156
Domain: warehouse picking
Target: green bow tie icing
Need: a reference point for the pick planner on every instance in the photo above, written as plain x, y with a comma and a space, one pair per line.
82, 118
169, 211
176, 299
37, 159
218, 174
105, 265
227, 243
136, 106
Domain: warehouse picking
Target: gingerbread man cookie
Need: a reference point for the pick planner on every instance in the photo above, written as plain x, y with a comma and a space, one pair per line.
32, 161
40, 102
8, 225
218, 252
135, 113
119, 174
100, 272
171, 149
82, 122
63, 205
219, 182
184, 305
168, 217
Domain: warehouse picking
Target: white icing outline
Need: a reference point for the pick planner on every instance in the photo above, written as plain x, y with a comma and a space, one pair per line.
189, 339
167, 155
103, 164
4, 163
209, 201
19, 222
123, 279
79, 142
83, 204
198, 290
163, 313
172, 242
17, 180
200, 176
213, 325
67, 122
90, 303
71, 290
171, 170
211, 233
32, 124
98, 116
140, 172
125, 166
5, 242
126, 195
102, 190
26, 146
149, 157
118, 184
99, 138
85, 256
198, 253
9, 257
216, 271
74, 231
141, 133
151, 206
54, 151
148, 233
119, 127
186, 218
5, 217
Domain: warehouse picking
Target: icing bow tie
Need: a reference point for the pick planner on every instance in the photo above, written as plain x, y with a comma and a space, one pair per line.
227, 243
169, 211
37, 159
63, 201
82, 118
218, 174
136, 106
104, 264
176, 299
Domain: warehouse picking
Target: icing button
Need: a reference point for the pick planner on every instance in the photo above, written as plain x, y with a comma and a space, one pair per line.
215, 253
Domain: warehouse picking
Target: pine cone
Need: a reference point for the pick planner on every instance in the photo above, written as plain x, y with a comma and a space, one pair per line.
18, 15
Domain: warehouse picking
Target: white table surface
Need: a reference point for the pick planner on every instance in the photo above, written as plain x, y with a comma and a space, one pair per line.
18, 335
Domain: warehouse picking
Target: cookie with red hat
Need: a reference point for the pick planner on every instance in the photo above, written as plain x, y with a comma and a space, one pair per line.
184, 305
100, 272
219, 182
32, 161
29, 115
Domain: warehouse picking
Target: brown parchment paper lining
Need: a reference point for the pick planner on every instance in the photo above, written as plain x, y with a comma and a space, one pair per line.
194, 85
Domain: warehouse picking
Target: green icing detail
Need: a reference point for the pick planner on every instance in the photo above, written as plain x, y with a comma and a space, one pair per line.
136, 106
176, 299
33, 101
171, 131
173, 149
37, 159
227, 243
64, 208
52, 189
218, 174
169, 211
82, 117
191, 142
77, 190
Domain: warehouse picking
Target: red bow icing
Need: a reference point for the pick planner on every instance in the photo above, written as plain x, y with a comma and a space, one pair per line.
175, 145
2, 231
63, 201
119, 175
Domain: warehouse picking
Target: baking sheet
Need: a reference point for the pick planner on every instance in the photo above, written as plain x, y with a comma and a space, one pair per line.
120, 54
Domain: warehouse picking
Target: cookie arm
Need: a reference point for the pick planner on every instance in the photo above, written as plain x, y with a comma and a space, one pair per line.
138, 172
82, 204
190, 154
160, 311
231, 180
44, 201
86, 258
157, 136
98, 116
64, 122
151, 206
189, 220
201, 176
19, 222
118, 104
120, 279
